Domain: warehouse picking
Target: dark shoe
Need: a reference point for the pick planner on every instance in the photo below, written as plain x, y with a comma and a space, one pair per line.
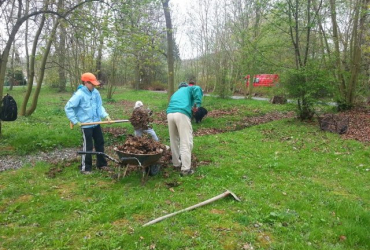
105, 168
187, 172
86, 172
177, 168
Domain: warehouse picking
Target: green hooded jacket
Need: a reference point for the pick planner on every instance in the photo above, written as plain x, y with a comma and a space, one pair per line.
184, 99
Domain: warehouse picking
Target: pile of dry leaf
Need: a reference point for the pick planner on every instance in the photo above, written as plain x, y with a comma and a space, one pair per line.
141, 145
359, 124
141, 118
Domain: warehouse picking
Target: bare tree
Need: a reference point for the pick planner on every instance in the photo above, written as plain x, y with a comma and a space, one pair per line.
61, 51
36, 94
170, 48
348, 62
21, 17
200, 35
31, 63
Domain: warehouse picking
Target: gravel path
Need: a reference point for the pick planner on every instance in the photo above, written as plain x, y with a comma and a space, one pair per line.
15, 162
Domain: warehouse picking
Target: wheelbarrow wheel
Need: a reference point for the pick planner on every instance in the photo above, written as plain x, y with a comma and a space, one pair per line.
153, 169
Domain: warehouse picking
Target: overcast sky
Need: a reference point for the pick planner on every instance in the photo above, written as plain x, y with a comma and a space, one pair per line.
179, 10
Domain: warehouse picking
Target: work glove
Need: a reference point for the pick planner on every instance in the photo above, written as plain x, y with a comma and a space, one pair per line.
78, 124
108, 118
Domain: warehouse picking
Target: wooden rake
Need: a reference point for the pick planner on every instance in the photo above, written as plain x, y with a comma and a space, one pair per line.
220, 196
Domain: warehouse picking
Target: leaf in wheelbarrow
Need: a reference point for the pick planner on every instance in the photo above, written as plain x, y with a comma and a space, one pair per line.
141, 145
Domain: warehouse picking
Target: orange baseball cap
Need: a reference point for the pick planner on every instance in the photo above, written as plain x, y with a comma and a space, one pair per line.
89, 77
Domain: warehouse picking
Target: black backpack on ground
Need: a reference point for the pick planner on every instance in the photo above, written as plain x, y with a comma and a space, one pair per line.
8, 109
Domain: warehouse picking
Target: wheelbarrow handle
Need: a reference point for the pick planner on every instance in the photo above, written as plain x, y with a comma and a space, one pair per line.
90, 153
122, 160
97, 153
125, 159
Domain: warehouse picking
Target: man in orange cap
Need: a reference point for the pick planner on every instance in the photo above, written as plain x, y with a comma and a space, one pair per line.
86, 106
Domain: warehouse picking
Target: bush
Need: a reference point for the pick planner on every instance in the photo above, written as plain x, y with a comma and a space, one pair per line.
307, 85
15, 78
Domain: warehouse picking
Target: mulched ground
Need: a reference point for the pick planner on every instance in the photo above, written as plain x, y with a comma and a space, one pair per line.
358, 129
359, 125
244, 123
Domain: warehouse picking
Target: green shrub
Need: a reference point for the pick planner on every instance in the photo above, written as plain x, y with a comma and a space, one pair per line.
307, 85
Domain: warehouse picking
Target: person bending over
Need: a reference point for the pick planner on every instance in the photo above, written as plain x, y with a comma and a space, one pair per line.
185, 101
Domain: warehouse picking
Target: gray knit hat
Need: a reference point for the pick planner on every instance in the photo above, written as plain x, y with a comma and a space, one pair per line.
183, 84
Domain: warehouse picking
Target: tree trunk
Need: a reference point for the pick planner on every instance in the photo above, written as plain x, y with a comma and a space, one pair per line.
31, 66
137, 74
342, 85
254, 38
358, 30
11, 78
99, 58
347, 85
62, 59
5, 55
170, 44
42, 70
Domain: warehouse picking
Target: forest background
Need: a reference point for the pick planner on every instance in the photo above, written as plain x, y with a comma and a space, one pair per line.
301, 188
319, 48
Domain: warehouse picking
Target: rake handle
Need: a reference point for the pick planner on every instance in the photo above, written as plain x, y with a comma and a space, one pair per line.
193, 207
101, 122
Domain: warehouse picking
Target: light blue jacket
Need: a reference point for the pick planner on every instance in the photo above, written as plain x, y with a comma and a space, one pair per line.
85, 106
184, 99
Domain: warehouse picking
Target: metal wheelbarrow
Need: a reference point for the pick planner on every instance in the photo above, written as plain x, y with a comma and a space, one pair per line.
147, 162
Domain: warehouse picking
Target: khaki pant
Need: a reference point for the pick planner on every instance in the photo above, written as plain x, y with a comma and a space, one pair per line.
181, 139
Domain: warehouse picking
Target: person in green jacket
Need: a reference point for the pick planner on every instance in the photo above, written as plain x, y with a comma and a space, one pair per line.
185, 101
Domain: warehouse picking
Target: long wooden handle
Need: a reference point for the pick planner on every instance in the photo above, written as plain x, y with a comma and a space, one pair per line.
192, 207
101, 122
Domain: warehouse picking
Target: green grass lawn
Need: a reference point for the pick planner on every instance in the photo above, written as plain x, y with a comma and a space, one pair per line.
301, 188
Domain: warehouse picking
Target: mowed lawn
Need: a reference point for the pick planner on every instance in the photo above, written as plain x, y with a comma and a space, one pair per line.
300, 187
